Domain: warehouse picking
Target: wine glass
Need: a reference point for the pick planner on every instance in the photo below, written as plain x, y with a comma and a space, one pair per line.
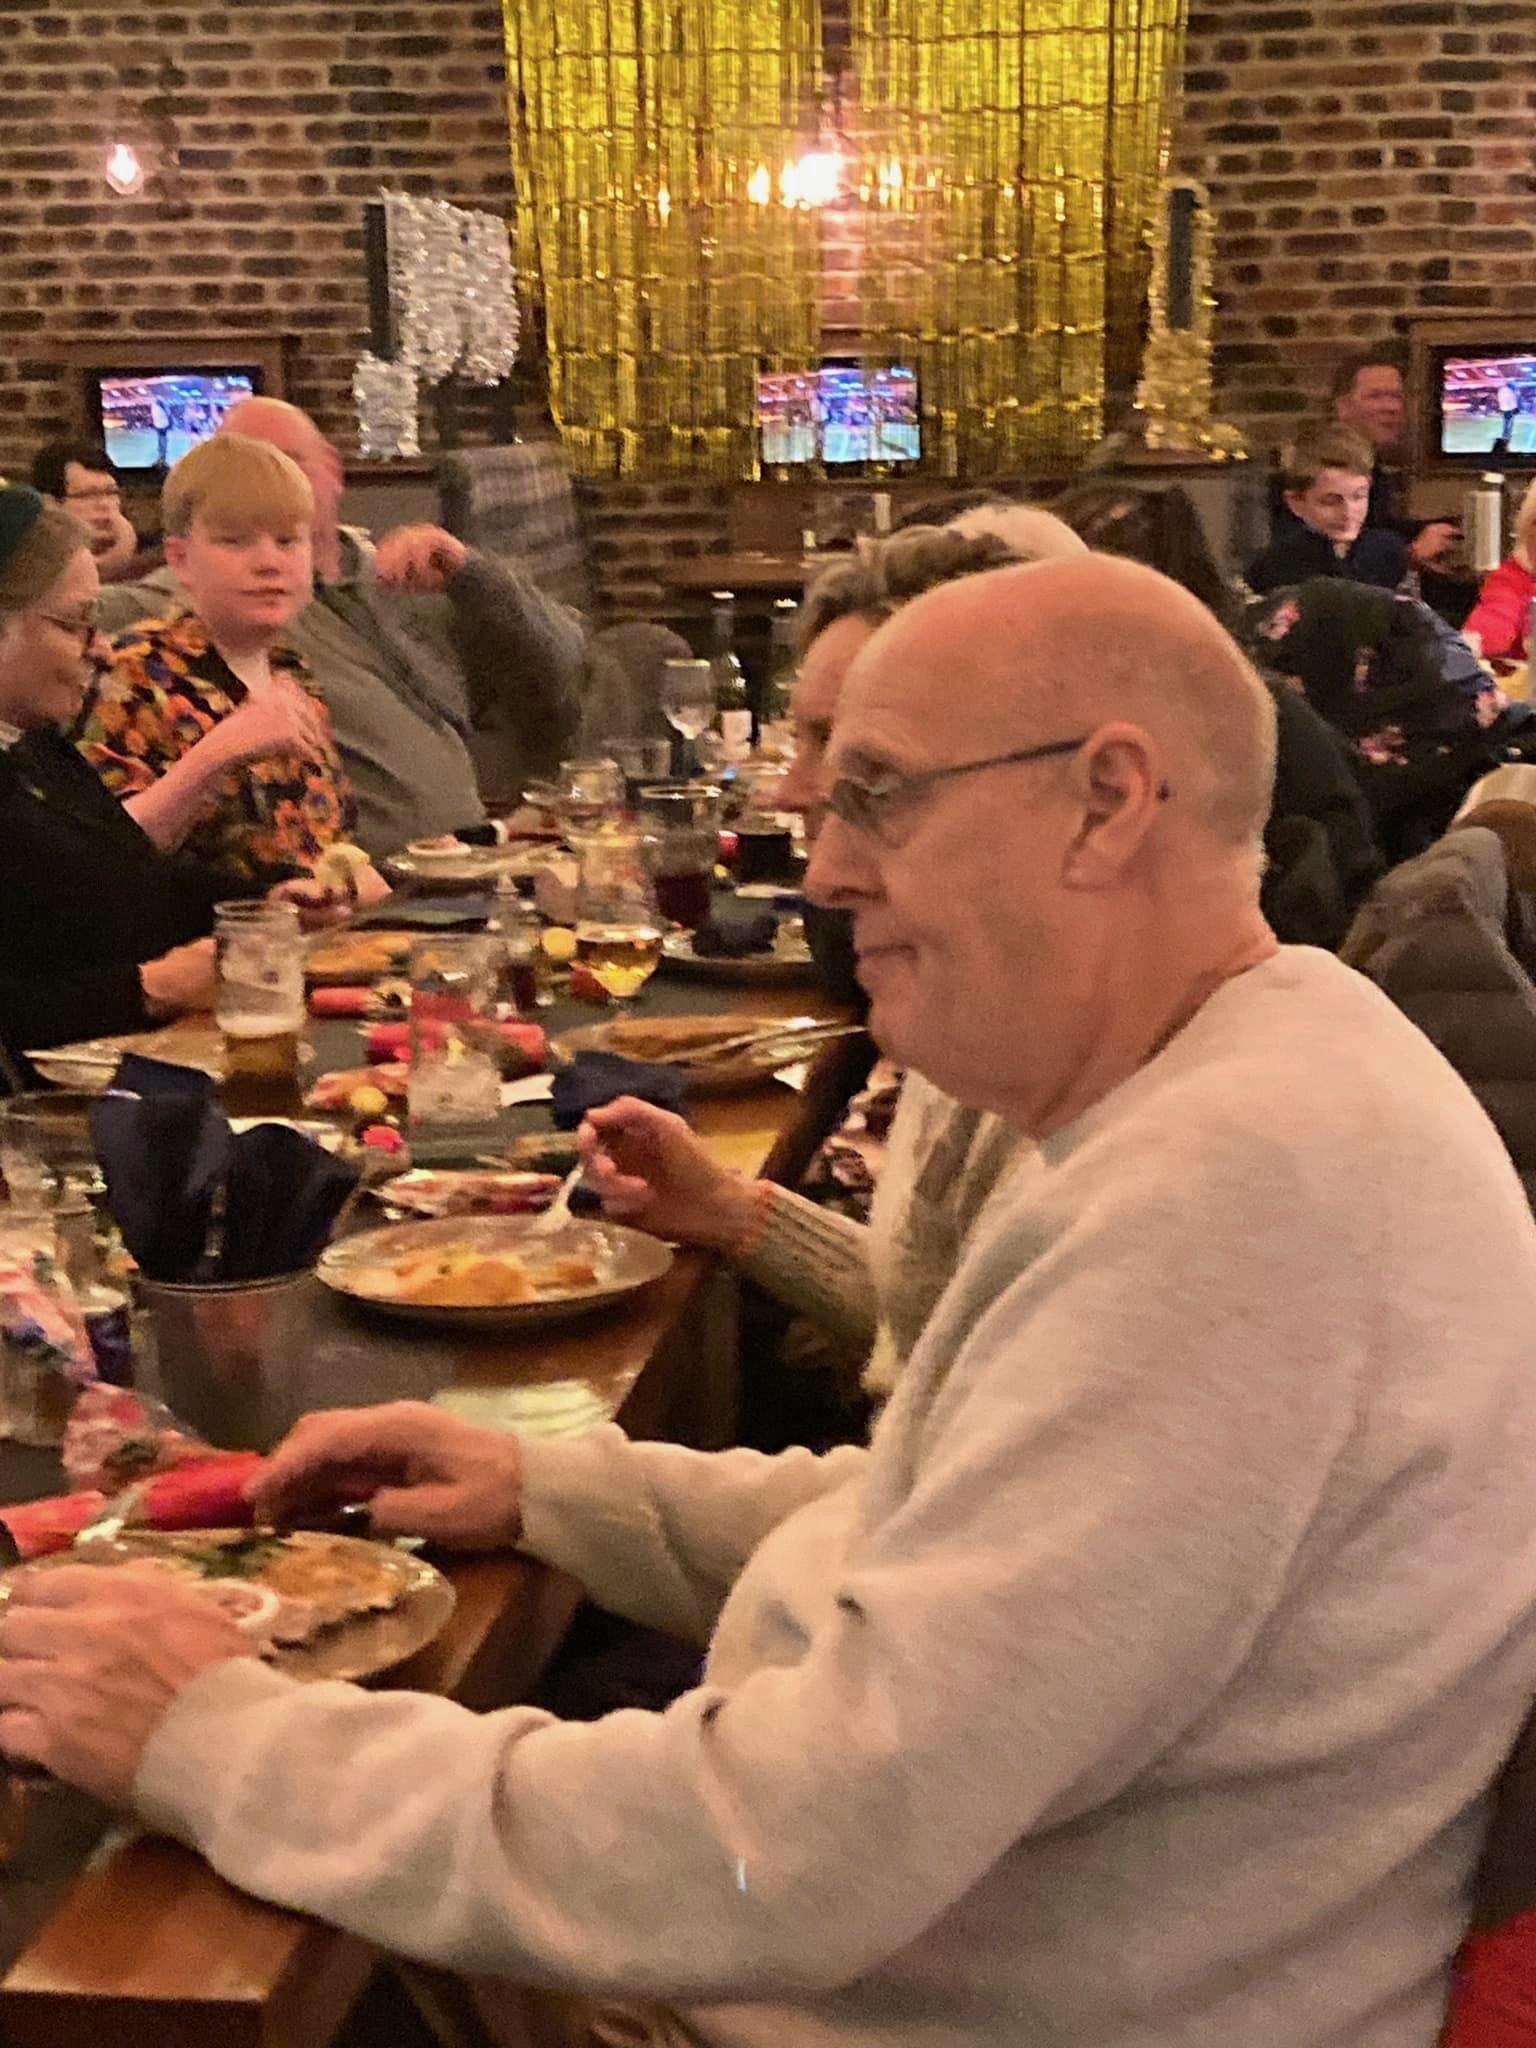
688, 697
618, 926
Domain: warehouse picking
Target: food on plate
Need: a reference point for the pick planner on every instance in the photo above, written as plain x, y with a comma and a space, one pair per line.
359, 956
282, 1589
467, 1192
559, 944
335, 1091
368, 1101
340, 866
444, 842
649, 1038
465, 1276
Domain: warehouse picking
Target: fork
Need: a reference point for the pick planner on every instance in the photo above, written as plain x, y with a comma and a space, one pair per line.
558, 1214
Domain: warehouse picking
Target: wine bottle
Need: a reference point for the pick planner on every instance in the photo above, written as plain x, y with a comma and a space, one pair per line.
733, 710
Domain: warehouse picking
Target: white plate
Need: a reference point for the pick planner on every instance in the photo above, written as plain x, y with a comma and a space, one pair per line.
473, 865
759, 970
625, 1259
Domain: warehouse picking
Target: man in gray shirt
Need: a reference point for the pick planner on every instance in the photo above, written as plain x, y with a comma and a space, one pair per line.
448, 676
1141, 1684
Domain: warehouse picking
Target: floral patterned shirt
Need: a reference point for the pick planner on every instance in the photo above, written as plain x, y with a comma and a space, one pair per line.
169, 686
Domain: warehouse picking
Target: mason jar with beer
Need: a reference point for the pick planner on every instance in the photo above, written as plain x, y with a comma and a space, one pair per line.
259, 1006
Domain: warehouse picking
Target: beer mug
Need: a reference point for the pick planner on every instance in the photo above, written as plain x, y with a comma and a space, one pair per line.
259, 1004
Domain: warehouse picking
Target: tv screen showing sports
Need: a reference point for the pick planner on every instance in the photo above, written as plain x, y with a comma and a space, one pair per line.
1487, 404
150, 420
869, 415
789, 415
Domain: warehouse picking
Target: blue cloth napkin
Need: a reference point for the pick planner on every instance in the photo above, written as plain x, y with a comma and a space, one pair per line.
735, 938
164, 1145
593, 1078
282, 1196
196, 1203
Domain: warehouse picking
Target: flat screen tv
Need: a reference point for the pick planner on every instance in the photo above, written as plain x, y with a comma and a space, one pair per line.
868, 414
149, 418
1483, 402
840, 414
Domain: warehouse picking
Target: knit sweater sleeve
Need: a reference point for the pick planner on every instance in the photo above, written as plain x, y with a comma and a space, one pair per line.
534, 646
1026, 1601
817, 1262
657, 1533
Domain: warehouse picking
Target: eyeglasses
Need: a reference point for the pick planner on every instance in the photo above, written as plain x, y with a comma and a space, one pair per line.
96, 494
881, 800
85, 626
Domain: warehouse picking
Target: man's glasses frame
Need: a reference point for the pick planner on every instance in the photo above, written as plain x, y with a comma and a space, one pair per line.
877, 800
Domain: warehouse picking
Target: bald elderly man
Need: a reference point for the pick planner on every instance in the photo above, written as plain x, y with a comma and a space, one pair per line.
440, 668
1141, 1683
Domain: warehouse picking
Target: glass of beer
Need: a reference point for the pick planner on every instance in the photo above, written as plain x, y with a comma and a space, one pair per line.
259, 1005
618, 926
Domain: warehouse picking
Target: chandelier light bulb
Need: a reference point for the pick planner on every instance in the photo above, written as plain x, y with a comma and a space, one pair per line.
818, 178
124, 170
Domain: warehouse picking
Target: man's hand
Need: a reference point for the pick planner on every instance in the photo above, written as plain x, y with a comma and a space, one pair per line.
419, 558
422, 1472
652, 1172
184, 979
1434, 541
92, 1658
280, 719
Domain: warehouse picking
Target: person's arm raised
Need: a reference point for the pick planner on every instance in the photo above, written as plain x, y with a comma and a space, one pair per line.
280, 719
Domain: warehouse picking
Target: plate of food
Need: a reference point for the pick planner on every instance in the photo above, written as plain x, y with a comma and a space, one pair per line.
346, 958
317, 1605
90, 1063
468, 1191
491, 1272
709, 1050
785, 960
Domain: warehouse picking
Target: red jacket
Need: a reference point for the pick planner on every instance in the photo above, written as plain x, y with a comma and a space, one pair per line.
1503, 609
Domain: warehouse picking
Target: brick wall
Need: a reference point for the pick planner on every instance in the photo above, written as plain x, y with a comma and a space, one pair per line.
1369, 160
290, 117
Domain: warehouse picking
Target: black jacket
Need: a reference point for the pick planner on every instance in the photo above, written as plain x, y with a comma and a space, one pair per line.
86, 897
1297, 553
1434, 936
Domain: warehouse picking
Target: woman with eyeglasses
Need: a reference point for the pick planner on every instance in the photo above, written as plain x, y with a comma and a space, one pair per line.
99, 930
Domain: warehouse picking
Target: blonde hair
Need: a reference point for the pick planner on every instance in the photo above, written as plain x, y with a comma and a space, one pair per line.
37, 562
1327, 445
880, 576
233, 477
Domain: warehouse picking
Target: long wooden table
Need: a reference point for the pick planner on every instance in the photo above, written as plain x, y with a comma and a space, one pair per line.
148, 1948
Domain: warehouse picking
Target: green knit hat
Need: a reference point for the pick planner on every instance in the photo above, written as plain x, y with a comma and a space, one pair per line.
20, 510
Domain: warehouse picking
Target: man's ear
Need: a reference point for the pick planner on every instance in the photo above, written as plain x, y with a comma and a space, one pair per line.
1121, 787
175, 551
1294, 501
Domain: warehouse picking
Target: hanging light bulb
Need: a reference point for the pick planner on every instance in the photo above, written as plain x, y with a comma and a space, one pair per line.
760, 186
124, 170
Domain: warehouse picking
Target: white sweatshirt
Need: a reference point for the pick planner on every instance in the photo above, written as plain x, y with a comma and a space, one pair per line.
1139, 1685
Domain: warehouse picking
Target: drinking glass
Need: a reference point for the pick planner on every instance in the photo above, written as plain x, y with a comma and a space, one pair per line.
618, 926
454, 1088
46, 1152
259, 1004
688, 697
640, 761
683, 819
591, 791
